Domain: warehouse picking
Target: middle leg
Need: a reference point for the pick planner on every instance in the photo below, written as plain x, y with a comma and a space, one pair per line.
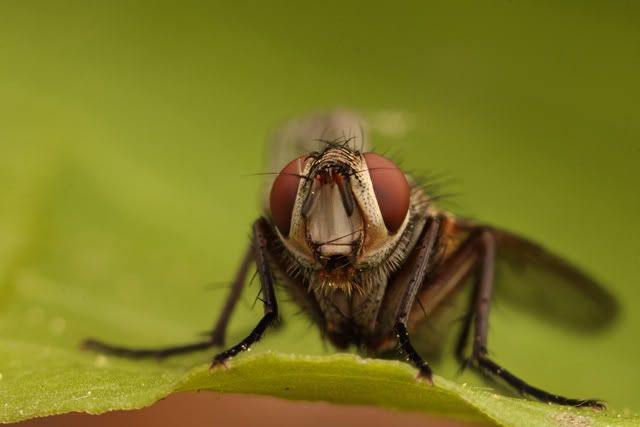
481, 247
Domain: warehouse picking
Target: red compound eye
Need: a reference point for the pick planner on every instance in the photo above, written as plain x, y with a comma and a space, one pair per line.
391, 189
283, 194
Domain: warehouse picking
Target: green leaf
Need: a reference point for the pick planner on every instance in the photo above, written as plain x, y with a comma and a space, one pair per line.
101, 384
44, 372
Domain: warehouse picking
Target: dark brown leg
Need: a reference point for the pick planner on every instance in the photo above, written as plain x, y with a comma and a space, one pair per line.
477, 254
220, 328
425, 249
216, 336
141, 353
260, 243
486, 246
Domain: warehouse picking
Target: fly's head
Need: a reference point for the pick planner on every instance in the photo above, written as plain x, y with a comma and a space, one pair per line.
340, 214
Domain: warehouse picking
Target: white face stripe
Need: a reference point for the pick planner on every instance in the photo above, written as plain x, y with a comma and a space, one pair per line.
328, 221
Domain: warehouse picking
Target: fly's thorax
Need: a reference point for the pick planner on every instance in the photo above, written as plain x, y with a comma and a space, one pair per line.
343, 226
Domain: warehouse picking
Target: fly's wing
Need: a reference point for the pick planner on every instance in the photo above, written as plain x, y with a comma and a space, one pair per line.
310, 134
548, 286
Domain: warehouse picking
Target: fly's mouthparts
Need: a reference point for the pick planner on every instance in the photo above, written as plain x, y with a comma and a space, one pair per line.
337, 262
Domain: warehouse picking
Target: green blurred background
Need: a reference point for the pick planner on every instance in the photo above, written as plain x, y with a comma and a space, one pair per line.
129, 133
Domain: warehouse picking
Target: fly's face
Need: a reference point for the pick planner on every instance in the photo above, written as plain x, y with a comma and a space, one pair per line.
340, 213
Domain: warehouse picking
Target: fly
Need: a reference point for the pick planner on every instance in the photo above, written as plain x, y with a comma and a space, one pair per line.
363, 249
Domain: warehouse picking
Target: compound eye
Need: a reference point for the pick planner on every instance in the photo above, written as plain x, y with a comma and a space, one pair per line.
391, 189
283, 194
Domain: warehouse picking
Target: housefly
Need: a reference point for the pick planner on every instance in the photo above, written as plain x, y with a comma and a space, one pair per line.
363, 249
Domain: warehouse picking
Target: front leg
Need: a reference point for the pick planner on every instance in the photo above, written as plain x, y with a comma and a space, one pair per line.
258, 251
261, 234
426, 247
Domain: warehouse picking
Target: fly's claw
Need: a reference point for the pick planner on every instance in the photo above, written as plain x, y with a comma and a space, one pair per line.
465, 363
425, 373
220, 361
597, 405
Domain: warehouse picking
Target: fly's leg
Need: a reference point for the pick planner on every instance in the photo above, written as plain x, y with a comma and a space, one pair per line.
477, 254
260, 243
463, 339
141, 353
216, 337
482, 243
426, 247
220, 328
